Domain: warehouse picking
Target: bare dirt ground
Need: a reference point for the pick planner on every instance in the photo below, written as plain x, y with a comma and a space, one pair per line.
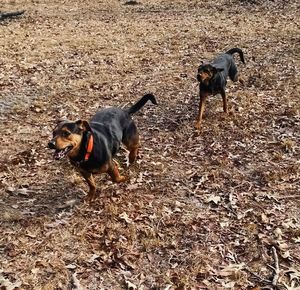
202, 210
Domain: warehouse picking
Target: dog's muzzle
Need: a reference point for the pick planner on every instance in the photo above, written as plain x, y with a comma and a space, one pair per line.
51, 144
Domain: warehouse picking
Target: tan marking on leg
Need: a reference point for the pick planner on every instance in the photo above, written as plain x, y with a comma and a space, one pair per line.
114, 173
132, 146
200, 113
91, 182
133, 152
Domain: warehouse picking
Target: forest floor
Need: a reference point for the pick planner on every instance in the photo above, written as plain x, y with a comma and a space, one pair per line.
217, 208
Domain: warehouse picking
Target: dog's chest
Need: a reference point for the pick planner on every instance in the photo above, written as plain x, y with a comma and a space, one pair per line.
215, 87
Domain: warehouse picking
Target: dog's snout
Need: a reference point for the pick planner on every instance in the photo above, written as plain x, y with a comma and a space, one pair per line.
51, 144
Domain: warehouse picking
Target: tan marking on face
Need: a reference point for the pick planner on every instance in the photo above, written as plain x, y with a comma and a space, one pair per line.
205, 76
64, 138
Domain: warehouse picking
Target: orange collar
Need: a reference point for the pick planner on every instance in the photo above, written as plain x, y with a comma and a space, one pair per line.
89, 148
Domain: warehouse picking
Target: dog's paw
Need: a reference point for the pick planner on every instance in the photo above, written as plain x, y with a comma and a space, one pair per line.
198, 126
90, 198
87, 200
121, 178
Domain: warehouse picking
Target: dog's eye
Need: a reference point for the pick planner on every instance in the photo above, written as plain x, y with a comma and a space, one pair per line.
66, 133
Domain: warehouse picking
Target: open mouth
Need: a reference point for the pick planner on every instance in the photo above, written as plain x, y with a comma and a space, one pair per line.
59, 154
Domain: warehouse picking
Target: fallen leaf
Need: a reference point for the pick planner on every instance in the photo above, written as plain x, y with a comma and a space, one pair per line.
232, 270
213, 198
130, 285
125, 217
7, 285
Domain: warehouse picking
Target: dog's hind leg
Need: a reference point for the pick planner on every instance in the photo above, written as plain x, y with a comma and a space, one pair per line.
132, 141
114, 173
234, 75
233, 72
133, 152
223, 94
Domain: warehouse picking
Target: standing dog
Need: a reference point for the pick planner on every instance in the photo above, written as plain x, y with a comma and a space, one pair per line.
213, 78
92, 146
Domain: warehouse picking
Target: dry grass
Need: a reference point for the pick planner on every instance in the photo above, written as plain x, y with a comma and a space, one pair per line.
201, 209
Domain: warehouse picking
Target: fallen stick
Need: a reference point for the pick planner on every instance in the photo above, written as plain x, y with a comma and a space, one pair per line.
276, 268
4, 16
289, 196
257, 276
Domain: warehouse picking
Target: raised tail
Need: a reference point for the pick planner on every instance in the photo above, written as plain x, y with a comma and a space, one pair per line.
139, 104
237, 50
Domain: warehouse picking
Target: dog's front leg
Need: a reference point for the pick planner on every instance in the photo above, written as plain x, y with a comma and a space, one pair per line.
91, 182
201, 110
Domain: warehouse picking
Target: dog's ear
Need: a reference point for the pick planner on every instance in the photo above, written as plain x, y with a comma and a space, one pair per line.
83, 125
201, 64
60, 120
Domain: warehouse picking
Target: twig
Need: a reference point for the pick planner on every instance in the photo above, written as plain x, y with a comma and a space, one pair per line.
289, 196
131, 2
10, 14
75, 284
276, 269
257, 276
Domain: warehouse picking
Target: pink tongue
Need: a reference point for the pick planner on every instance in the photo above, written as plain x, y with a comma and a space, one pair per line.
59, 155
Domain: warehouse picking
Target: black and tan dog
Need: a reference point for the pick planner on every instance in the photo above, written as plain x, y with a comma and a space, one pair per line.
213, 78
92, 145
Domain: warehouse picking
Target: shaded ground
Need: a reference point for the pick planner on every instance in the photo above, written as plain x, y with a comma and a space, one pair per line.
202, 210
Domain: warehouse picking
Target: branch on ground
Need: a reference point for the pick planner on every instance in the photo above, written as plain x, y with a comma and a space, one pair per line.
4, 16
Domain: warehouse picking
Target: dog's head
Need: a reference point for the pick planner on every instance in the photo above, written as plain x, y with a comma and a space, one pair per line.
67, 137
206, 72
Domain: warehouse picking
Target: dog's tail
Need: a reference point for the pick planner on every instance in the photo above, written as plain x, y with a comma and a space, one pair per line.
237, 50
139, 104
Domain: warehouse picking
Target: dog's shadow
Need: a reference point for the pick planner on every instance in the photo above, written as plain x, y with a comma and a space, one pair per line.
31, 202
169, 117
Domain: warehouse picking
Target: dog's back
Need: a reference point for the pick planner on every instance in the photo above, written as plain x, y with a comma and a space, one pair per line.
225, 62
111, 116
232, 68
109, 124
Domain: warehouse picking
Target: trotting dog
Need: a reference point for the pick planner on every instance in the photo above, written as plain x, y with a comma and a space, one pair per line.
91, 146
212, 79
